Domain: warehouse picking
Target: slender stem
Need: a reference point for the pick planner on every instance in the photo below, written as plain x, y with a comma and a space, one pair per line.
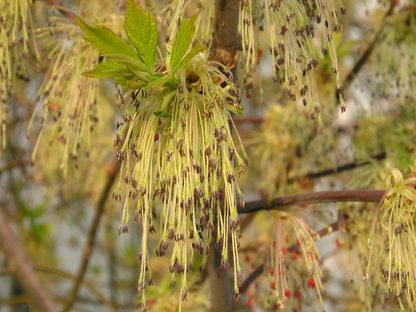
280, 203
92, 233
22, 267
260, 269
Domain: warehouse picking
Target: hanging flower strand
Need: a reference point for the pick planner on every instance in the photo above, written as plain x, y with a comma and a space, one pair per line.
66, 99
15, 23
304, 271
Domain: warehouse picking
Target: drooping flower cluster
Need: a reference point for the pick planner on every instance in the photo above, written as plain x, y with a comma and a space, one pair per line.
67, 98
391, 58
393, 240
294, 265
180, 164
15, 21
67, 110
292, 27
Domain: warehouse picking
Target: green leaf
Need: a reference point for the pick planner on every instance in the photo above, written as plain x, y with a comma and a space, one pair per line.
136, 67
122, 81
105, 40
108, 69
183, 40
135, 84
161, 81
141, 30
133, 63
163, 114
198, 48
40, 231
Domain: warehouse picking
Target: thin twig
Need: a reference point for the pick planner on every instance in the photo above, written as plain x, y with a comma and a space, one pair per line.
21, 266
369, 51
92, 288
345, 167
319, 174
260, 269
281, 203
92, 233
66, 12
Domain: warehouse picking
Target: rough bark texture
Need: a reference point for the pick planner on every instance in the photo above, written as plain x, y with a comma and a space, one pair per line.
225, 48
226, 42
22, 268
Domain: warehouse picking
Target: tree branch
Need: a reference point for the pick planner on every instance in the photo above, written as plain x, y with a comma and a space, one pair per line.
21, 266
279, 203
225, 46
92, 233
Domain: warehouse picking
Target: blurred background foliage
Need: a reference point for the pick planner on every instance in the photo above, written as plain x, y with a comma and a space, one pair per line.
56, 164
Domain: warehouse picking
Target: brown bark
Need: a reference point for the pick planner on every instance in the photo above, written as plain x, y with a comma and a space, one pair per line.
225, 48
279, 203
226, 42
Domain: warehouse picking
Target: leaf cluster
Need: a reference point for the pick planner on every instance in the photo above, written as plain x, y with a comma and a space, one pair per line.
132, 63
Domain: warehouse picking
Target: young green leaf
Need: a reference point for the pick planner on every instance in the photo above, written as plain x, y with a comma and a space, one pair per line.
136, 67
198, 48
134, 64
183, 40
108, 69
141, 30
105, 40
134, 84
122, 81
